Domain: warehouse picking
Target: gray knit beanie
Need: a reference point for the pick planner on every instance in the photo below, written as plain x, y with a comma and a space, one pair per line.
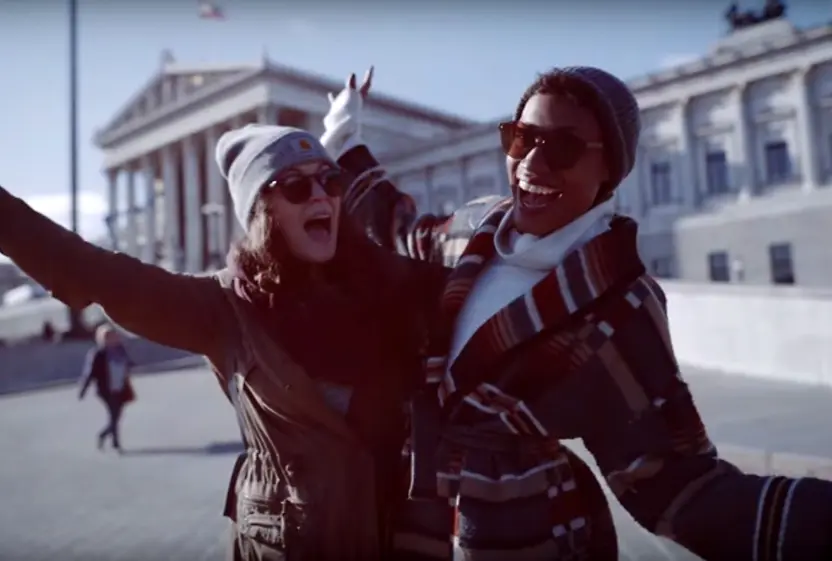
617, 112
250, 156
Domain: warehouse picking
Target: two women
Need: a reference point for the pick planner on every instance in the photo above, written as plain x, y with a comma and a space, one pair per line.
313, 332
550, 329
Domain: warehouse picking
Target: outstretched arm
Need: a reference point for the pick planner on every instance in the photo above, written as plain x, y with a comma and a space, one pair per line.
667, 474
174, 310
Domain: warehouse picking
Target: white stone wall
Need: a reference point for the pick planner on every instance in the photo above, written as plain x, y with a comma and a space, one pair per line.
769, 332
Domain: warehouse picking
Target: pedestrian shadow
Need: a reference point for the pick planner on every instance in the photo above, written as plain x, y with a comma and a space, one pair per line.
213, 449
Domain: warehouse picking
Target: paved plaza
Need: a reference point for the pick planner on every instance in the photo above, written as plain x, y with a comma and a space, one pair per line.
63, 499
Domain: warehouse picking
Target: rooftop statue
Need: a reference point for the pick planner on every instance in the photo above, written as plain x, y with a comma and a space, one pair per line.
773, 9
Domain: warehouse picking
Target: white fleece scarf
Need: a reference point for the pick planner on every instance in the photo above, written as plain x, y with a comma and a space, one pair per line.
522, 261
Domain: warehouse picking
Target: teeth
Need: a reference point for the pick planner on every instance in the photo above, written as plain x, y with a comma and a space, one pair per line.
536, 189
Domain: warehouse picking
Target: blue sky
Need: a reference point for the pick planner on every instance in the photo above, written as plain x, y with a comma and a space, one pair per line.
472, 58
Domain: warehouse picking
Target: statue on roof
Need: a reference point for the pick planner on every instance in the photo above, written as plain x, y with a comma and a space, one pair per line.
773, 9
166, 58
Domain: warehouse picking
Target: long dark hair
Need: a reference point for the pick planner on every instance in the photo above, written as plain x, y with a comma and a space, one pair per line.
264, 259
346, 321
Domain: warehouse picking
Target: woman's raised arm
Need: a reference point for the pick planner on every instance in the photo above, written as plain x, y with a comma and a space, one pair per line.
175, 310
388, 215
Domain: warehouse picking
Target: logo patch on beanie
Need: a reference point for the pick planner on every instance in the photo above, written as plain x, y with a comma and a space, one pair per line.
304, 145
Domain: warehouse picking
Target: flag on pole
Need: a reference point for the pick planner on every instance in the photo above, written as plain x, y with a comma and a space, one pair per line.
210, 10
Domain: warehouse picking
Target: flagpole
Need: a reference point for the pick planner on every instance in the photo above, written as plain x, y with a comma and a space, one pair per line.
75, 326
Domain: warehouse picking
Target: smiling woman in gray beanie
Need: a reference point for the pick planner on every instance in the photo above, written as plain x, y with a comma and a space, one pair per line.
313, 332
551, 329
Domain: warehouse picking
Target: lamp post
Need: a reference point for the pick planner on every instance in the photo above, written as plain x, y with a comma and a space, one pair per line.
73, 112
75, 326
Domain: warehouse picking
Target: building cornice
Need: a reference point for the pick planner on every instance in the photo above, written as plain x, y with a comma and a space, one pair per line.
268, 71
192, 101
729, 56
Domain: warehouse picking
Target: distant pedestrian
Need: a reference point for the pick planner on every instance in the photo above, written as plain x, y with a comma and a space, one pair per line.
48, 333
108, 366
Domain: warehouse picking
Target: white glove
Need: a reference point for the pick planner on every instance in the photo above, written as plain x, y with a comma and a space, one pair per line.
342, 124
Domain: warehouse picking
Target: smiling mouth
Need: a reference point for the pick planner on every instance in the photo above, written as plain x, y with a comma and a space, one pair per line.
535, 197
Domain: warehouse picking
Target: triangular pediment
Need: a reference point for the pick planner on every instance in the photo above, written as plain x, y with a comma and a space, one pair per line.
170, 86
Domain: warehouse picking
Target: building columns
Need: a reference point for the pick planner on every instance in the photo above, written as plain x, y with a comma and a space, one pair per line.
112, 214
808, 131
688, 190
747, 182
315, 125
215, 207
149, 223
430, 196
132, 212
503, 182
193, 206
267, 114
173, 249
464, 187
645, 189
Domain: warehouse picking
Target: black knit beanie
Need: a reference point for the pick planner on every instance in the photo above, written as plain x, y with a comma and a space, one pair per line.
617, 112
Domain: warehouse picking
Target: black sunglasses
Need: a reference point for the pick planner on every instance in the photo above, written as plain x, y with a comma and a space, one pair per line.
298, 190
561, 148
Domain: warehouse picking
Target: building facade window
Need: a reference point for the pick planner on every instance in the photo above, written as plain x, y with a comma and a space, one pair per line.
718, 266
716, 173
780, 262
661, 185
662, 267
778, 162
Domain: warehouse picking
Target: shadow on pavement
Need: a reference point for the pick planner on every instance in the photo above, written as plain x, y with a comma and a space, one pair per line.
213, 449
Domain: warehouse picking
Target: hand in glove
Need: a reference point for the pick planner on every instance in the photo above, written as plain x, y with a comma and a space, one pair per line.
342, 124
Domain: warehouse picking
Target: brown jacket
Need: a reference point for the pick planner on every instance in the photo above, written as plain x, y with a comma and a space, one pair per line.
304, 468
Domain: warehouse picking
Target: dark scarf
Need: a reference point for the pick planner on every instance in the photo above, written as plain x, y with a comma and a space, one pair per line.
341, 330
322, 323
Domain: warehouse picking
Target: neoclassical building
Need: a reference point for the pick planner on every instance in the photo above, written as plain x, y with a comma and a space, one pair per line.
168, 202
732, 182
